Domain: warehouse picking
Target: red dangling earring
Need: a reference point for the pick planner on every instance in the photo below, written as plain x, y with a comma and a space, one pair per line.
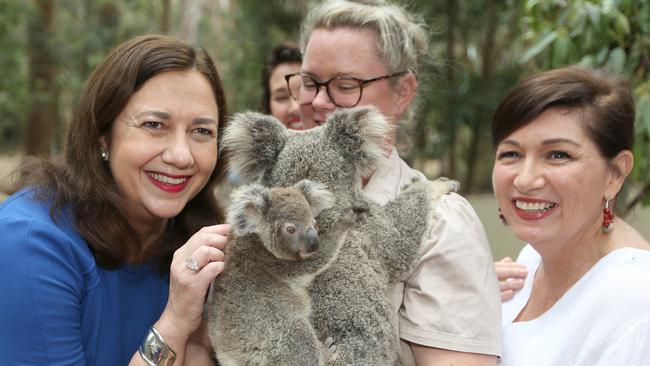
608, 218
502, 218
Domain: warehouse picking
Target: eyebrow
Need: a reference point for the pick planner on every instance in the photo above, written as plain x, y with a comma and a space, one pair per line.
280, 89
166, 116
546, 142
336, 75
161, 115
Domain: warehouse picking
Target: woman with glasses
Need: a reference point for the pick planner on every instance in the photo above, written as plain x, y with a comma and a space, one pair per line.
367, 52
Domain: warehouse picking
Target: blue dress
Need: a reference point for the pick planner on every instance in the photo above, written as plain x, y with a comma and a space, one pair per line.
57, 307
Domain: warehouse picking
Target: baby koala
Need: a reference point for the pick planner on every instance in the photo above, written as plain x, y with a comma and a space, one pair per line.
260, 307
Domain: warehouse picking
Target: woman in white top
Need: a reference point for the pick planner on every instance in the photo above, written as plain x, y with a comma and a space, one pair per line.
563, 150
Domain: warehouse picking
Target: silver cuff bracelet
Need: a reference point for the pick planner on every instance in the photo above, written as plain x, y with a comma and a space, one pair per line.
155, 351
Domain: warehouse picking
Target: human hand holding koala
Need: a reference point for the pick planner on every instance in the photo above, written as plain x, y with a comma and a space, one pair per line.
259, 310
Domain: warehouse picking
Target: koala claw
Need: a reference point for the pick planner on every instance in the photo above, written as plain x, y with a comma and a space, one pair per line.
330, 348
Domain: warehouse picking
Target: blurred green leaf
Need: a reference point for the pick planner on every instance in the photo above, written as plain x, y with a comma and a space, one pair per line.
643, 113
561, 48
622, 24
616, 61
609, 6
538, 47
594, 14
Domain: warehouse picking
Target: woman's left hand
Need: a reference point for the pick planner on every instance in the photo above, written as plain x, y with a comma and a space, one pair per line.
194, 266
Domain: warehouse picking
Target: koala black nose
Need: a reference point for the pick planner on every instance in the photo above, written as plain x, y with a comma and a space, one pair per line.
311, 237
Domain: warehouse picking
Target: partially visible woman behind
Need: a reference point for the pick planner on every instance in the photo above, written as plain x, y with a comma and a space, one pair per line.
284, 59
100, 253
563, 150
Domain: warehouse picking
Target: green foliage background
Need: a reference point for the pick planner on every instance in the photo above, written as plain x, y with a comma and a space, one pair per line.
480, 48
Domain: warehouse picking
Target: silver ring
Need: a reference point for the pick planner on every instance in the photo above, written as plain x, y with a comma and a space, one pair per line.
192, 264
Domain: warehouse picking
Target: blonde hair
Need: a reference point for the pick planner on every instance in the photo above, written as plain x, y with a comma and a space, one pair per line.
403, 37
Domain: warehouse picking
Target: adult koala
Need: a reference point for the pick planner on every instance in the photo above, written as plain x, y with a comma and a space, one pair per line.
259, 308
350, 299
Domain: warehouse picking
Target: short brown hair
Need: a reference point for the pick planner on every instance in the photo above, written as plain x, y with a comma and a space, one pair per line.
85, 183
603, 102
281, 54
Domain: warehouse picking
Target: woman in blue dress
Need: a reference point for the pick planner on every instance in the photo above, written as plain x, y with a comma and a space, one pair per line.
107, 255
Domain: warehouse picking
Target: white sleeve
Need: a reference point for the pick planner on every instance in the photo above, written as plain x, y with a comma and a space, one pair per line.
632, 349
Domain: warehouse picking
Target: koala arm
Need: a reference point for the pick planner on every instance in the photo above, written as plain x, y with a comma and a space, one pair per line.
453, 289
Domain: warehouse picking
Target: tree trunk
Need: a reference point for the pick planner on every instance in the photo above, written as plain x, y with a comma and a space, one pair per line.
190, 18
43, 115
165, 17
450, 74
479, 147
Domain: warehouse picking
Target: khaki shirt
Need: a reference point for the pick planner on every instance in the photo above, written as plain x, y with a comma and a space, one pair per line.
451, 298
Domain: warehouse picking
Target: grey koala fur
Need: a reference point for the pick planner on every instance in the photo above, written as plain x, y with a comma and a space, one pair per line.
351, 297
259, 308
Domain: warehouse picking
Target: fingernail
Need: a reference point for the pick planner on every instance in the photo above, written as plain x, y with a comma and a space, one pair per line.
515, 282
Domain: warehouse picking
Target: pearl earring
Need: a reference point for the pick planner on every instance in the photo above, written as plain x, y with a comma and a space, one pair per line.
103, 153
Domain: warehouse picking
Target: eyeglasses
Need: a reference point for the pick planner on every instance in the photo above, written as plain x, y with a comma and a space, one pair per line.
343, 91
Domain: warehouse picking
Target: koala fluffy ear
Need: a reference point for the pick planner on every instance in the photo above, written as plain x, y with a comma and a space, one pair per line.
252, 142
317, 195
248, 208
360, 134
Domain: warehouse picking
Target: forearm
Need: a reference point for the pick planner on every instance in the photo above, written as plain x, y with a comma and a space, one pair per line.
429, 356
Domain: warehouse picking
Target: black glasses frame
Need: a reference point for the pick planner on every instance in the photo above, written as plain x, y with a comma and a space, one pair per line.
361, 82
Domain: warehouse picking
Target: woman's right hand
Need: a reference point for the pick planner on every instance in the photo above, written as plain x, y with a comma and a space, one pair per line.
511, 277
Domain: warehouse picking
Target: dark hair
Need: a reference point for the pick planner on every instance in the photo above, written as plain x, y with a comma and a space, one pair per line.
281, 54
602, 102
85, 182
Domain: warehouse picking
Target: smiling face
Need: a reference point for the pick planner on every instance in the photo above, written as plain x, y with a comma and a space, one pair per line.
282, 106
352, 52
550, 180
162, 147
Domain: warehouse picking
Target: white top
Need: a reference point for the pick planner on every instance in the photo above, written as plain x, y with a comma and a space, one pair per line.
603, 320
451, 299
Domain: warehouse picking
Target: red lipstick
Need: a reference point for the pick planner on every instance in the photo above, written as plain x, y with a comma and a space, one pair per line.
169, 183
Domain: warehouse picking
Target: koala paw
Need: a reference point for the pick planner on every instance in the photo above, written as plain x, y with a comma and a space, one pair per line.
443, 186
